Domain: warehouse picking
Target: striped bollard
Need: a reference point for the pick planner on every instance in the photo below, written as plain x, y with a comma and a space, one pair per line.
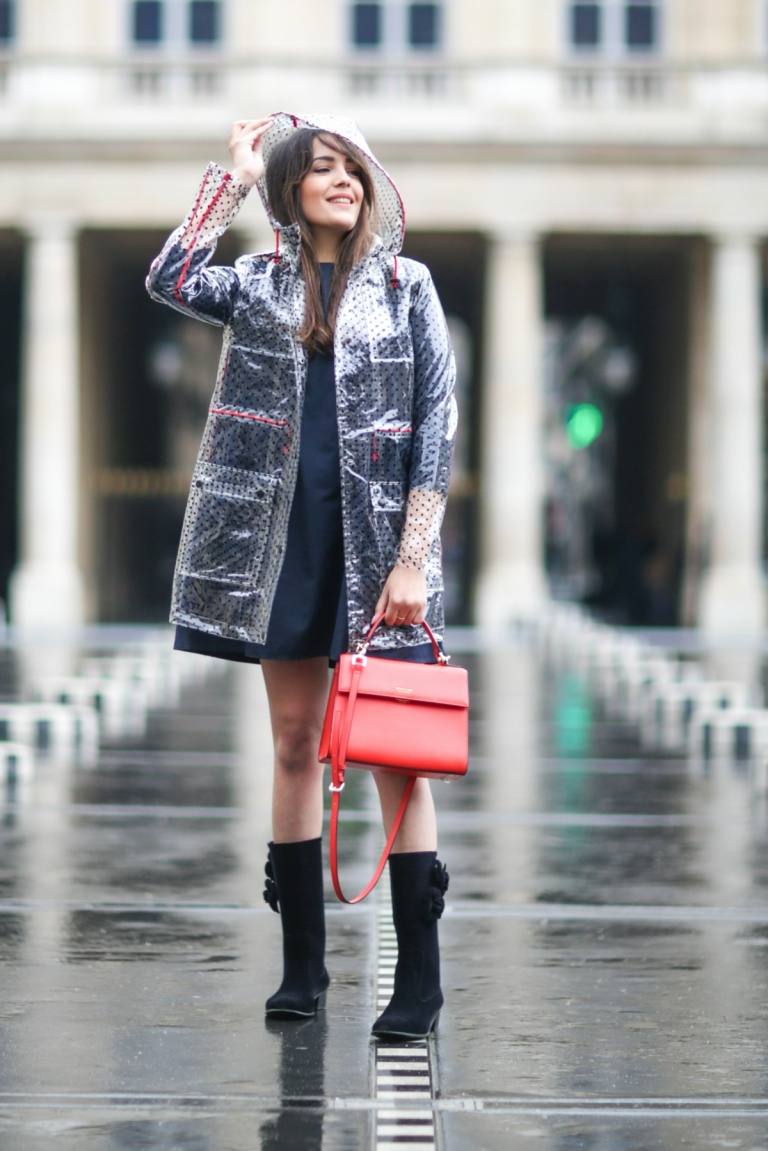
734, 733
51, 727
121, 704
17, 763
670, 709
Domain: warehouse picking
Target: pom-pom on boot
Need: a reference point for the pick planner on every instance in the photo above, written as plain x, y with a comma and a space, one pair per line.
294, 888
418, 881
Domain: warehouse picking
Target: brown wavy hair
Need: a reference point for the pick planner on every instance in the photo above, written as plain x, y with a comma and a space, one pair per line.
288, 164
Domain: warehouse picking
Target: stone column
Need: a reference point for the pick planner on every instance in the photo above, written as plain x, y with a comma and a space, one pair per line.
511, 582
699, 431
733, 594
46, 589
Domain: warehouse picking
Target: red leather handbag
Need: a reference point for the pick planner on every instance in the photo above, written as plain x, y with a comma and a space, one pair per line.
393, 715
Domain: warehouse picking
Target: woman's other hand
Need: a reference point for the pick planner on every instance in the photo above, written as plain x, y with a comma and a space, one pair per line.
404, 597
245, 149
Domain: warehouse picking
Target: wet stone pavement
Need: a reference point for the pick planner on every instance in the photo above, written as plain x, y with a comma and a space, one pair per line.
604, 947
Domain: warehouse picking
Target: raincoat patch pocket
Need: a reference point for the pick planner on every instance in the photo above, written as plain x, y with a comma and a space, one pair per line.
394, 348
227, 524
388, 507
246, 439
391, 449
388, 496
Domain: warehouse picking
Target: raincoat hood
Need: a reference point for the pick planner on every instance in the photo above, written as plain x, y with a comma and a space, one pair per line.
388, 221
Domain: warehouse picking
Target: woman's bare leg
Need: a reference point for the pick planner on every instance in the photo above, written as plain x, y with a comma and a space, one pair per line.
418, 831
296, 692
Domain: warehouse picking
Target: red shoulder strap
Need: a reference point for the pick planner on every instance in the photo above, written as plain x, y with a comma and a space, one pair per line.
338, 762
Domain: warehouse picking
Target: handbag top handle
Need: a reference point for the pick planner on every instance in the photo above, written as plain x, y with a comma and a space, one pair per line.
362, 647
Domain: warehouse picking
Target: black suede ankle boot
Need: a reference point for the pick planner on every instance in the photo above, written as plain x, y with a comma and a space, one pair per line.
294, 887
418, 881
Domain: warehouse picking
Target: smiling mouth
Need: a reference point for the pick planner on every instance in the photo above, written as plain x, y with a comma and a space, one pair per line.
344, 202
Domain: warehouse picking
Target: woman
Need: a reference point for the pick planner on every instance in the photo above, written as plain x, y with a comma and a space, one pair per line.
317, 496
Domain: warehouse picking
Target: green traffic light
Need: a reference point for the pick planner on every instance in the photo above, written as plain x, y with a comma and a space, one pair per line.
583, 425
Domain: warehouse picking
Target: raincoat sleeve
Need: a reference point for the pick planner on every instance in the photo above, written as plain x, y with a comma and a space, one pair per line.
180, 275
434, 427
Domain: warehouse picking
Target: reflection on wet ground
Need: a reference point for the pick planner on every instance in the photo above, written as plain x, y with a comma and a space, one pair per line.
605, 947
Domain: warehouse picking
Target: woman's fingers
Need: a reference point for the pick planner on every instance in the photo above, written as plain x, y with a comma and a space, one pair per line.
245, 130
246, 126
390, 609
398, 614
245, 146
262, 120
403, 598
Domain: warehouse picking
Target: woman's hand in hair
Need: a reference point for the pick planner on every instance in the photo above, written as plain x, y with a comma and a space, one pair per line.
404, 597
245, 149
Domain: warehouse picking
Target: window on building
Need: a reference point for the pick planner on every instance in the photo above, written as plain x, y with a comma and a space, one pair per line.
7, 21
614, 27
423, 25
204, 22
366, 25
396, 26
586, 24
175, 23
641, 25
147, 21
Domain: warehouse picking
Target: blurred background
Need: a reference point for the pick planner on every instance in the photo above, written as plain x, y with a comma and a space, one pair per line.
587, 181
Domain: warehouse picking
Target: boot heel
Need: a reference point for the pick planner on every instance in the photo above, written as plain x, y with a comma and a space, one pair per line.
405, 1033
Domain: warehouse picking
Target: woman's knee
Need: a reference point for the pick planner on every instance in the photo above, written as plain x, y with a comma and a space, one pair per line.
296, 742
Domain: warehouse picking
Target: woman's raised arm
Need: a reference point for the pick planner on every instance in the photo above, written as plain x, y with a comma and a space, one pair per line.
181, 275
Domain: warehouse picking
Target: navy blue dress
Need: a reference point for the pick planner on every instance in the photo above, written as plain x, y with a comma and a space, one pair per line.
309, 612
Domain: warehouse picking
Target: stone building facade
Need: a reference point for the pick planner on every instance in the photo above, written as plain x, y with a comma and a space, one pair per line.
573, 171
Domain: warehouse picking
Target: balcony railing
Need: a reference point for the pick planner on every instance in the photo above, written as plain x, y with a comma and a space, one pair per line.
160, 81
636, 85
402, 81
220, 81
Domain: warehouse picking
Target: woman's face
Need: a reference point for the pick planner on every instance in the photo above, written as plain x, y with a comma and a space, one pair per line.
331, 193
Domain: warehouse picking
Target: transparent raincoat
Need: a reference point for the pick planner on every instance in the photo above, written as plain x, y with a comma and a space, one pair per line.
394, 374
